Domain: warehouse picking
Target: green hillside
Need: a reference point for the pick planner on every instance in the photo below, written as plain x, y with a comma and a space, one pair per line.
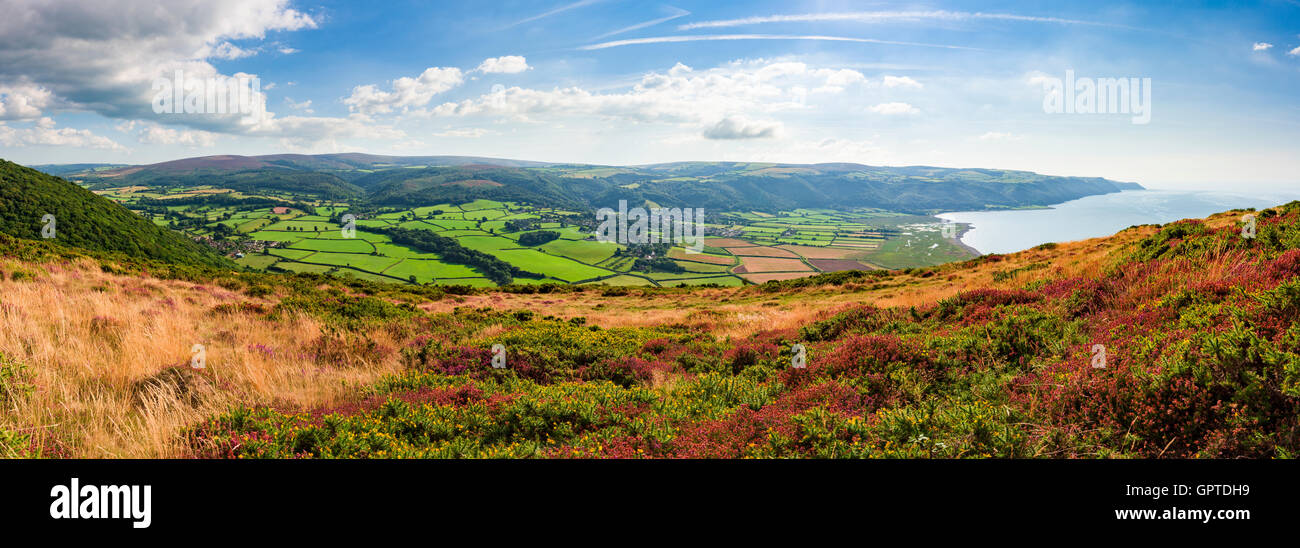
83, 219
719, 186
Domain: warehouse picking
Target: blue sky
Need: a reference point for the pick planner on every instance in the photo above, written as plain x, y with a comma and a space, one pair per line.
619, 82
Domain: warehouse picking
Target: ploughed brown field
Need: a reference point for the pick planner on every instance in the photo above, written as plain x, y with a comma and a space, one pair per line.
770, 264
699, 257
822, 252
726, 242
760, 251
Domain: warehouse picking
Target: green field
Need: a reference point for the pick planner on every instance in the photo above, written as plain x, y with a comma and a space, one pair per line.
304, 238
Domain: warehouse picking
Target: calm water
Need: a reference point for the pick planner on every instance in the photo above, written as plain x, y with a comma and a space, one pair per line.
1103, 215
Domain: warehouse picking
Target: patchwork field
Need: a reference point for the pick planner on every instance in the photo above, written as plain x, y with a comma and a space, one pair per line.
770, 264
308, 237
760, 251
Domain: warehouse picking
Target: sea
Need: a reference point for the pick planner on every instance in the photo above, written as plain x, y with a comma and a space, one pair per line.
1008, 231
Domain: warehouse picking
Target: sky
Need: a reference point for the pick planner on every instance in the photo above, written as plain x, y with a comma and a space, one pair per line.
954, 84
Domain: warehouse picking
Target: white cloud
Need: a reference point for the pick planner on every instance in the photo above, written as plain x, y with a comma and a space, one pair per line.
739, 127
288, 50
999, 136
837, 80
894, 109
1295, 51
471, 133
1262, 46
158, 135
901, 82
827, 150
1037, 78
407, 93
229, 51
44, 133
23, 101
509, 64
104, 56
304, 106
318, 133
681, 96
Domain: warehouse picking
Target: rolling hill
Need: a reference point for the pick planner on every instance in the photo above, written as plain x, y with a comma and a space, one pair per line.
407, 180
83, 219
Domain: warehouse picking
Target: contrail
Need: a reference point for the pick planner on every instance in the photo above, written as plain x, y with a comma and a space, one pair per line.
707, 37
678, 12
876, 16
566, 7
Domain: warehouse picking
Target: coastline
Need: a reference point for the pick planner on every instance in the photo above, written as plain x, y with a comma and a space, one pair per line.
967, 227
1007, 231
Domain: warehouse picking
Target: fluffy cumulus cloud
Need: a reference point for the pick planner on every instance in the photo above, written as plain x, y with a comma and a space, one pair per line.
229, 51
304, 106
105, 56
894, 109
154, 134
1294, 52
1262, 46
739, 127
159, 135
901, 82
734, 101
23, 101
406, 92
44, 133
509, 64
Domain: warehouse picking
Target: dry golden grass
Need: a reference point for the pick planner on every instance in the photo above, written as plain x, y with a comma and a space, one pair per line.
745, 311
89, 339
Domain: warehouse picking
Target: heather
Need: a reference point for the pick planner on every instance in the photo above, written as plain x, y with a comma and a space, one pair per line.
1199, 327
993, 357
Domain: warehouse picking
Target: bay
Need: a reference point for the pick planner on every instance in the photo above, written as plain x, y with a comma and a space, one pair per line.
1008, 231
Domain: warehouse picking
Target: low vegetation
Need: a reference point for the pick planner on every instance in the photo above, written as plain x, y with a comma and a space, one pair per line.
993, 357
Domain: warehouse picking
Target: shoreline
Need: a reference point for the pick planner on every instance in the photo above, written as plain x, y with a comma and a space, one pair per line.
967, 227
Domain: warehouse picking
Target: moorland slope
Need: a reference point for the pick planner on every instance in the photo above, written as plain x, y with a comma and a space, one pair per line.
993, 357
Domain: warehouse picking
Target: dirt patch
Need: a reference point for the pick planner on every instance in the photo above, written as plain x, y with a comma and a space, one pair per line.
749, 265
725, 242
760, 252
812, 252
699, 257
